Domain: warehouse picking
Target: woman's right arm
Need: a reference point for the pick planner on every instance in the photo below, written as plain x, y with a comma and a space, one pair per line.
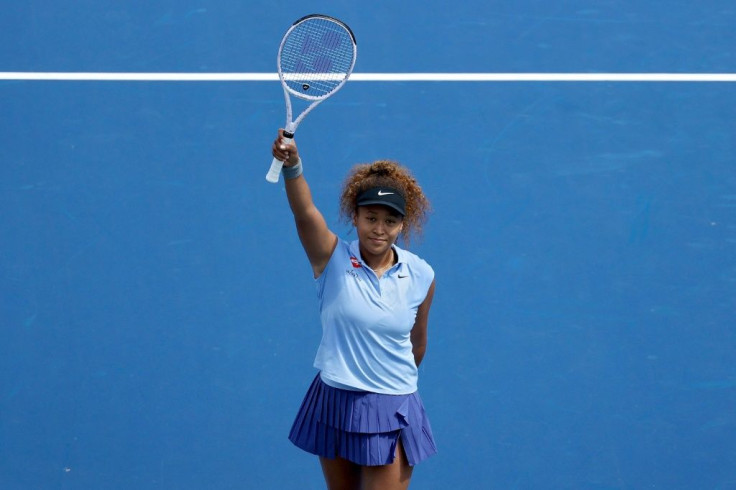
317, 239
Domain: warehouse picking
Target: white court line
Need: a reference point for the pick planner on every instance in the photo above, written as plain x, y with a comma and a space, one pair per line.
375, 77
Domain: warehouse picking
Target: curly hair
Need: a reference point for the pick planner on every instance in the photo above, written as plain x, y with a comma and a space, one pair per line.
387, 173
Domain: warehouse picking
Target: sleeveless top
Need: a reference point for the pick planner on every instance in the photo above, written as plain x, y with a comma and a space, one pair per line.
367, 321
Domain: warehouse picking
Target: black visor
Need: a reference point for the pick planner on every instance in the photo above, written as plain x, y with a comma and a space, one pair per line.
386, 196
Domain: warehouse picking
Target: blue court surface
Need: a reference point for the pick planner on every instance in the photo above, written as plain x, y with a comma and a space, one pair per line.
158, 320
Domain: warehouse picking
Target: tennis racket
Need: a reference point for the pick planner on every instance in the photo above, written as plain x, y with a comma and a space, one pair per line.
316, 57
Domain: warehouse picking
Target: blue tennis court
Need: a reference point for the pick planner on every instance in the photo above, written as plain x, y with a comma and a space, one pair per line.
158, 318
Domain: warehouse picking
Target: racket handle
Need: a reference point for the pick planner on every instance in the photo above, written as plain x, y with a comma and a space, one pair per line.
275, 170
276, 165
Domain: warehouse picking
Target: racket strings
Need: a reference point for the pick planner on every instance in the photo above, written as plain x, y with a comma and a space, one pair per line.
316, 57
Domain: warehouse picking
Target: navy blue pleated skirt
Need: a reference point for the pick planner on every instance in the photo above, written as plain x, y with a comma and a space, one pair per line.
362, 427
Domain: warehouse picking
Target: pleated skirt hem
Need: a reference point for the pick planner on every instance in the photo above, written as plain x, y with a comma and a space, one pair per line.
362, 427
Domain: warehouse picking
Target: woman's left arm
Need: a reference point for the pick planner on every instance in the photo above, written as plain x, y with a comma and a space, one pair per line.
419, 331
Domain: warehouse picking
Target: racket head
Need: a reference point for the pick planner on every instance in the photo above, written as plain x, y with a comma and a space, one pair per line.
316, 57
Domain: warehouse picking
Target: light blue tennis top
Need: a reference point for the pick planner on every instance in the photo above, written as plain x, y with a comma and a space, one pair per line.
367, 321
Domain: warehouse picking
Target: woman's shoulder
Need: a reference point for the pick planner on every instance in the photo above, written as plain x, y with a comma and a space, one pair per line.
415, 262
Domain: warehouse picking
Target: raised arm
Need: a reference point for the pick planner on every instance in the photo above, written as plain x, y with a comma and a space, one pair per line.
317, 239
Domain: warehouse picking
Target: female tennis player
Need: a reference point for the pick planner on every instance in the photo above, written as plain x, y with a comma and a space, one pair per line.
362, 414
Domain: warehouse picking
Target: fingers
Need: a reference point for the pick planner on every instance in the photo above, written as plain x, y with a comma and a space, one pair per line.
279, 151
286, 152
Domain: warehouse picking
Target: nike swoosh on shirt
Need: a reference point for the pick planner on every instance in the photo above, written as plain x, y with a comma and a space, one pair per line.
402, 277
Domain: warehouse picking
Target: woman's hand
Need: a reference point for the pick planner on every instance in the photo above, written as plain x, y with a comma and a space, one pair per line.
287, 153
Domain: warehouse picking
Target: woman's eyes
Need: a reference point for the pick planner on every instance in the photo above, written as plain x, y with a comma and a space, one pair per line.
389, 222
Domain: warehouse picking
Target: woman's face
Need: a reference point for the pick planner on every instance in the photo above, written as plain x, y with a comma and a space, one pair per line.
378, 228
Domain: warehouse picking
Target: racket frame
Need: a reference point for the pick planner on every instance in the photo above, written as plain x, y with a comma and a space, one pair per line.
291, 124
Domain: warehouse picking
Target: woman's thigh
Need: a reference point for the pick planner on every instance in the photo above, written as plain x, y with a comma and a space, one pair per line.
394, 476
340, 474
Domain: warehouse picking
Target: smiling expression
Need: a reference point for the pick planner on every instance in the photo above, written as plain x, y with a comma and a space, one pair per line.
378, 228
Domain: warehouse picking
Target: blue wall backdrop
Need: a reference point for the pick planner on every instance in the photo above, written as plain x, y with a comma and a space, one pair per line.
157, 316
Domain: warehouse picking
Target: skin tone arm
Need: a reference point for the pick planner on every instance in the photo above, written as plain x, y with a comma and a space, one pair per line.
317, 239
419, 331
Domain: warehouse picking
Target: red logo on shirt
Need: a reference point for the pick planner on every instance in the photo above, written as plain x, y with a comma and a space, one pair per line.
355, 262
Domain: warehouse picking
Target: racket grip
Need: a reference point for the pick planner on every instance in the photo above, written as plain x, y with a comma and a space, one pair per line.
276, 165
275, 170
